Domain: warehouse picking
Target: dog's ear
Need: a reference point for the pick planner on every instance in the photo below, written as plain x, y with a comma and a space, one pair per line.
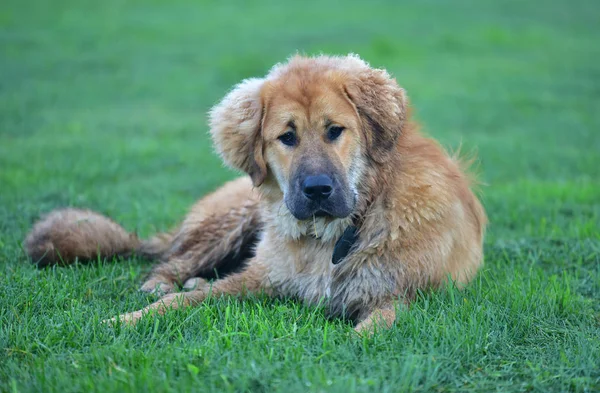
381, 105
236, 129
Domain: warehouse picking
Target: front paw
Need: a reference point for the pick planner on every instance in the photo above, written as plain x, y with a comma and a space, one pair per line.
194, 283
157, 286
364, 328
129, 319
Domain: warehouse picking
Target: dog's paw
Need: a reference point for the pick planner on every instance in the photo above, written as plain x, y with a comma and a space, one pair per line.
157, 287
128, 319
363, 330
193, 283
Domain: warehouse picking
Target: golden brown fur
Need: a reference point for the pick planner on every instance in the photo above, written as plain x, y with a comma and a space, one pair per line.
417, 218
63, 235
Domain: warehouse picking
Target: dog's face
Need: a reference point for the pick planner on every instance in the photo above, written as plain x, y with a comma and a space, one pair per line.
310, 128
312, 144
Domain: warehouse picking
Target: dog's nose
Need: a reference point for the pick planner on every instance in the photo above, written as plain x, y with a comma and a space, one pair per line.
317, 188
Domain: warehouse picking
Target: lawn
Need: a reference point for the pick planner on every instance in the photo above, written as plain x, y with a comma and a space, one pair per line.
103, 105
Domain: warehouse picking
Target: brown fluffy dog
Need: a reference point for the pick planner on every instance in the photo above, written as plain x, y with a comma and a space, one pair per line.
332, 158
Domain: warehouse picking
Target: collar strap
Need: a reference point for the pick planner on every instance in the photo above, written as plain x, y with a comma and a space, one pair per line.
345, 244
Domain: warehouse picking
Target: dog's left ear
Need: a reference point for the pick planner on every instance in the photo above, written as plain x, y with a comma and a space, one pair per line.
381, 105
236, 129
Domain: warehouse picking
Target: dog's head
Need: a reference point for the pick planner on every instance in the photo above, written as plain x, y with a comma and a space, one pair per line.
309, 129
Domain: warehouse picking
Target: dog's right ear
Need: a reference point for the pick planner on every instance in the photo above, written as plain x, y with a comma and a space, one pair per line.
236, 129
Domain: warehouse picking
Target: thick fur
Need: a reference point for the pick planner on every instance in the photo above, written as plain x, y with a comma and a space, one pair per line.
419, 222
63, 236
219, 230
67, 235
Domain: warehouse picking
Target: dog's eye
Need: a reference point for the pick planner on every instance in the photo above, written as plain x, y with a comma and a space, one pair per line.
289, 138
334, 132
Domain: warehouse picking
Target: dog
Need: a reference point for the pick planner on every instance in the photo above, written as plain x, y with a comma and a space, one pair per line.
345, 202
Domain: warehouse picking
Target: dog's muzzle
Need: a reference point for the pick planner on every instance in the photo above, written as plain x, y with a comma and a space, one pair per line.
319, 195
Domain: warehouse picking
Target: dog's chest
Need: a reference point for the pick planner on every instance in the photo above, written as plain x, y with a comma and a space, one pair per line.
301, 269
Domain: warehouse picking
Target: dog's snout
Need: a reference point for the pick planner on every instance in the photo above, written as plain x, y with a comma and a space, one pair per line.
317, 188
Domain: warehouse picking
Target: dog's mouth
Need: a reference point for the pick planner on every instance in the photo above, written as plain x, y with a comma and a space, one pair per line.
304, 209
302, 212
322, 213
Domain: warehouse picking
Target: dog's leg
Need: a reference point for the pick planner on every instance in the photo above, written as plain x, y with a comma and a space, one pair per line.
219, 230
380, 318
249, 281
207, 246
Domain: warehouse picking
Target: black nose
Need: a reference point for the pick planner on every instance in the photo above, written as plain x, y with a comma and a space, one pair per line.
317, 188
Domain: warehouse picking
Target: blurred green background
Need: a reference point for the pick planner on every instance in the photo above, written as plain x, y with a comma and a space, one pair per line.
103, 105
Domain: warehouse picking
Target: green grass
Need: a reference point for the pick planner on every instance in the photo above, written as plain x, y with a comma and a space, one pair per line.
103, 103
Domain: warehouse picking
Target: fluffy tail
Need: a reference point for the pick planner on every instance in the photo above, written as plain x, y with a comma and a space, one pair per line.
66, 235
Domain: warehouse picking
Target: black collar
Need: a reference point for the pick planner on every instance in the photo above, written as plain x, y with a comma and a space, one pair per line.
345, 244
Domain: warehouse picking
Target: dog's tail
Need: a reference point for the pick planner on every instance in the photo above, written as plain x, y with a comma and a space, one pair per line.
63, 236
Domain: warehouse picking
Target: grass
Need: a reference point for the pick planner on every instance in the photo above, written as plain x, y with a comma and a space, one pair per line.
102, 105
